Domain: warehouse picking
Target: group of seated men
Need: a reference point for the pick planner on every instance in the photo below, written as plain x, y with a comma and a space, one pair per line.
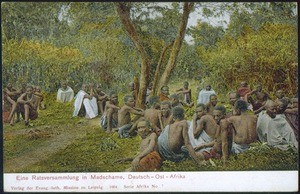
24, 101
213, 132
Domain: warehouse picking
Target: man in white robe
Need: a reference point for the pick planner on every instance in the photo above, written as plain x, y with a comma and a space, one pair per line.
65, 93
89, 103
274, 129
204, 94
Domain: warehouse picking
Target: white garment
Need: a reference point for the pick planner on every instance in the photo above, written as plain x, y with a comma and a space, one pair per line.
91, 107
65, 95
203, 96
202, 139
276, 132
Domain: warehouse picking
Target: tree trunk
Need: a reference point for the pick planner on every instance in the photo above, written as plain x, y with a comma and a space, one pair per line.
154, 87
124, 13
177, 44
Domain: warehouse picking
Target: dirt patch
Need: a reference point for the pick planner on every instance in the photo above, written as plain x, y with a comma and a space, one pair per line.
59, 137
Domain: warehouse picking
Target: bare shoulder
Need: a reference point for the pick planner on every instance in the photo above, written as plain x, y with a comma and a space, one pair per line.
153, 136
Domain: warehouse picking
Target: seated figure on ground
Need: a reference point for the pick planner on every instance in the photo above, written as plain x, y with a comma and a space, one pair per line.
186, 92
165, 117
39, 94
261, 97
148, 158
174, 99
213, 100
244, 133
125, 123
109, 119
292, 116
174, 143
273, 128
85, 104
164, 93
101, 98
28, 104
10, 97
243, 90
65, 93
152, 115
205, 93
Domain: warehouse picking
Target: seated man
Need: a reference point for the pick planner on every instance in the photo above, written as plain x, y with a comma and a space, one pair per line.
213, 100
164, 93
186, 92
165, 117
125, 123
10, 97
109, 119
86, 103
260, 99
39, 94
174, 99
174, 143
244, 133
65, 93
152, 114
204, 94
292, 116
148, 159
101, 98
243, 90
28, 104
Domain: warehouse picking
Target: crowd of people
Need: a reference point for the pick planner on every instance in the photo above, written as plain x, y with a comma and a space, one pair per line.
213, 132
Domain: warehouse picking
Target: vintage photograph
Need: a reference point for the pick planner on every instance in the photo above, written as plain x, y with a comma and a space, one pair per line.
145, 96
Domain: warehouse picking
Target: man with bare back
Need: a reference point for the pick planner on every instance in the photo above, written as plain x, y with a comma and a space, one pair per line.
28, 104
10, 97
174, 143
165, 117
109, 119
124, 120
244, 133
151, 114
148, 158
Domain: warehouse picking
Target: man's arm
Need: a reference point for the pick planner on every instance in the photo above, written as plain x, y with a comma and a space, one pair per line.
224, 139
188, 145
199, 128
110, 105
136, 112
21, 99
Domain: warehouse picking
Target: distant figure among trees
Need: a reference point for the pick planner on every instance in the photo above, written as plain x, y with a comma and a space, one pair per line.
243, 90
204, 94
65, 93
186, 92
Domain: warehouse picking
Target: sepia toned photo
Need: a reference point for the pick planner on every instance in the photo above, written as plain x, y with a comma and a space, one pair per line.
149, 96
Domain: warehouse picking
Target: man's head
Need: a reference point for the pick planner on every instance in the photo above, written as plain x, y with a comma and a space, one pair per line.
178, 113
63, 84
165, 90
174, 99
219, 113
129, 100
85, 87
279, 94
258, 87
185, 85
271, 108
244, 84
165, 108
131, 86
153, 100
113, 96
29, 90
37, 88
208, 87
282, 104
213, 99
233, 97
293, 103
9, 86
200, 110
240, 106
144, 128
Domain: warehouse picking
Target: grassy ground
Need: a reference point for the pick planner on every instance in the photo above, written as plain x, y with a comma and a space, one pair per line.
56, 142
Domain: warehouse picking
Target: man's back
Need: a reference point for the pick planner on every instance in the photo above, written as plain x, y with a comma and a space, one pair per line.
152, 115
124, 115
245, 128
176, 140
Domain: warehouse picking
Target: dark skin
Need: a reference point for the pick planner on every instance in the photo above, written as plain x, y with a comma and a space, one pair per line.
260, 98
111, 111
